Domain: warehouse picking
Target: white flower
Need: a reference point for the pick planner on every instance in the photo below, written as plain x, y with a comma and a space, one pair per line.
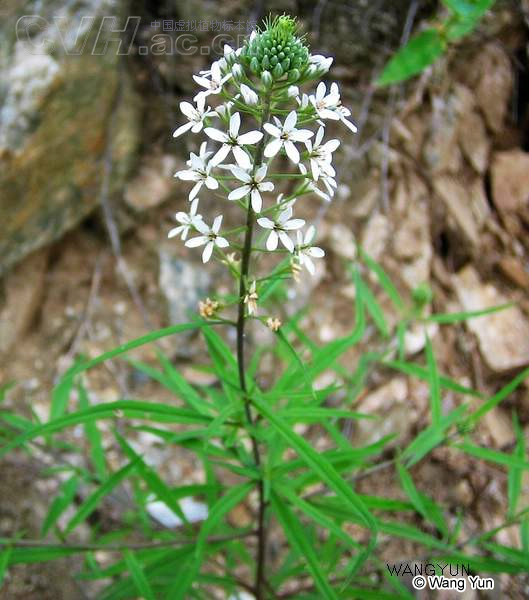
195, 116
213, 85
285, 135
305, 252
329, 183
250, 97
303, 101
230, 54
320, 63
209, 237
251, 298
293, 91
321, 155
253, 185
233, 142
224, 109
186, 221
279, 229
329, 106
199, 172
237, 71
285, 203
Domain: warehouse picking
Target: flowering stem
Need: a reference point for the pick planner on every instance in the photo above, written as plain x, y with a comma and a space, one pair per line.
245, 264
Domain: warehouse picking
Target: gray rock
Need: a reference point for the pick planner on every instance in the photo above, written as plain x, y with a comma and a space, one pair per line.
58, 108
183, 284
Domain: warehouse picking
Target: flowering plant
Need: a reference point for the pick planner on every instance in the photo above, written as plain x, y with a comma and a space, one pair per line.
278, 517
263, 124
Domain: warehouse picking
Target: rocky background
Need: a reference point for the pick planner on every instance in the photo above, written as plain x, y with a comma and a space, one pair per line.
435, 186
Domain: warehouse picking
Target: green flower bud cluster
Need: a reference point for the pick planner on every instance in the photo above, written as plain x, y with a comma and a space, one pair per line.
277, 51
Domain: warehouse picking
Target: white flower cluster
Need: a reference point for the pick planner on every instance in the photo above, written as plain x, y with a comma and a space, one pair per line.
274, 130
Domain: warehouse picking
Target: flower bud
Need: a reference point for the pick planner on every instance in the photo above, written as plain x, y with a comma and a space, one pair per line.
278, 71
266, 78
293, 75
237, 71
277, 49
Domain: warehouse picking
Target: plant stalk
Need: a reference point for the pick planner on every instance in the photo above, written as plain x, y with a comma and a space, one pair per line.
241, 320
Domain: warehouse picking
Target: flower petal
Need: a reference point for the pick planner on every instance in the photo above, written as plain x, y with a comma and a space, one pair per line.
202, 227
266, 186
215, 134
290, 121
272, 130
202, 81
243, 160
257, 201
221, 242
301, 135
292, 151
286, 241
309, 265
221, 154
197, 241
294, 224
350, 125
252, 137
235, 124
186, 175
271, 242
208, 251
260, 174
182, 129
266, 223
273, 147
211, 183
241, 174
216, 224
194, 192
239, 192
315, 252
175, 231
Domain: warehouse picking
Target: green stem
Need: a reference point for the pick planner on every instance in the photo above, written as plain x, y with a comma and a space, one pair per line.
241, 319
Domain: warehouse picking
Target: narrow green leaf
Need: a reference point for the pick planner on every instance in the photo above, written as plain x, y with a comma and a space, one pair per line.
373, 308
60, 396
514, 481
297, 538
97, 453
153, 481
310, 414
110, 410
432, 436
315, 514
62, 387
469, 8
91, 503
422, 373
435, 388
448, 318
138, 576
480, 564
321, 467
495, 456
65, 497
38, 555
228, 501
5, 555
408, 486
420, 52
383, 279
426, 507
497, 398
